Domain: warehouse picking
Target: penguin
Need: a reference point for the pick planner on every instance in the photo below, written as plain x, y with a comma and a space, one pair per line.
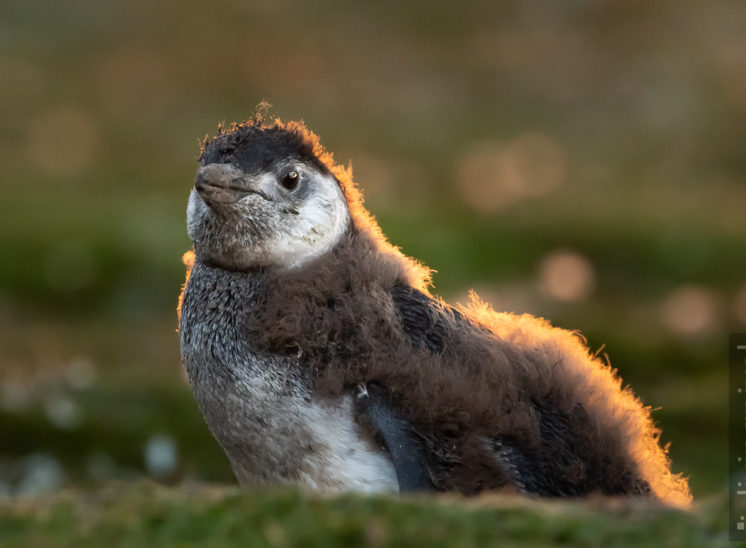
320, 358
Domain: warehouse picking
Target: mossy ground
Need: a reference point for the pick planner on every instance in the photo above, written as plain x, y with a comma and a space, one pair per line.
143, 514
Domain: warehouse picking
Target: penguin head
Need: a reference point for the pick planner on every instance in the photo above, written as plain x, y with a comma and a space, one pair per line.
264, 197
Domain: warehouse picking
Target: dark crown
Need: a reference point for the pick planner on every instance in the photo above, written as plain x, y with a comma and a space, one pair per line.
255, 147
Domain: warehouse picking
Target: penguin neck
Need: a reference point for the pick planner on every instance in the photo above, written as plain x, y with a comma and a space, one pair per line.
218, 304
356, 261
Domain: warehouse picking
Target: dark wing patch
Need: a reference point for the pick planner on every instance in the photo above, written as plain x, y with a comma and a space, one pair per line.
546, 470
563, 465
423, 318
374, 405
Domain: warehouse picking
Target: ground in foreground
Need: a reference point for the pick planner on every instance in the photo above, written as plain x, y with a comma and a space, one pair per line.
145, 514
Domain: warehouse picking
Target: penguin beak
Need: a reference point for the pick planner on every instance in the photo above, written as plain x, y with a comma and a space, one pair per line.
224, 184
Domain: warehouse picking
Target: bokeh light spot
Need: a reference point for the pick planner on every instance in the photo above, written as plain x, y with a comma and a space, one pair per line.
492, 176
41, 473
566, 276
161, 456
81, 373
689, 310
62, 411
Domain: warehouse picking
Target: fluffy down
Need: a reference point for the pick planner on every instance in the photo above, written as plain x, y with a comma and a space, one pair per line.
492, 380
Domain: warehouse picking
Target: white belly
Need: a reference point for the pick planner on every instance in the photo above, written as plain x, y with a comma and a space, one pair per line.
345, 461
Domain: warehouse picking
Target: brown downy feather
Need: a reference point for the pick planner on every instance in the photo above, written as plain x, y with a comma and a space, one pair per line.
338, 315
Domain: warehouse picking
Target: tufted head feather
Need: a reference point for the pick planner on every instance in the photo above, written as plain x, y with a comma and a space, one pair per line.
268, 195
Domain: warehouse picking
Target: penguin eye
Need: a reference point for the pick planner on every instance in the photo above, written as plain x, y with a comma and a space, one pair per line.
290, 180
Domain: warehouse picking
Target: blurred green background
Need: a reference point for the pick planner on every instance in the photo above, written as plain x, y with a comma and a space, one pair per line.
582, 161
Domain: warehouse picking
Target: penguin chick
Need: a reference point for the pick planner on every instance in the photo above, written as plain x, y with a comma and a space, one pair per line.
319, 358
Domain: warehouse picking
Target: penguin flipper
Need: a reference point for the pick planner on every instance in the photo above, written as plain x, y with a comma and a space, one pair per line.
374, 405
427, 321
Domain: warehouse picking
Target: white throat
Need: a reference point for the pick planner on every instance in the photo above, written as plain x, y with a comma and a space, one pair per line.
317, 228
